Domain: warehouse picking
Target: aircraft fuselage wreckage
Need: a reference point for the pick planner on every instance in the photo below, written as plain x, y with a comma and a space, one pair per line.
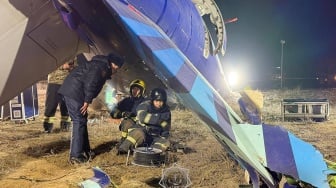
164, 42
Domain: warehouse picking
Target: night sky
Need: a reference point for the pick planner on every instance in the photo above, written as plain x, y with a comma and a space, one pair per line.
308, 28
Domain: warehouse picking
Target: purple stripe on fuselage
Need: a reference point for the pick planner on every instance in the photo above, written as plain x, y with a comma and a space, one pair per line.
223, 120
278, 150
187, 76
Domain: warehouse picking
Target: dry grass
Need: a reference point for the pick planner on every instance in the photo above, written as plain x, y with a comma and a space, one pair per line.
39, 160
30, 158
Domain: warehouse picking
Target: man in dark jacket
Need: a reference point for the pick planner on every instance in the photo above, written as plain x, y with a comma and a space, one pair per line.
153, 124
79, 88
126, 108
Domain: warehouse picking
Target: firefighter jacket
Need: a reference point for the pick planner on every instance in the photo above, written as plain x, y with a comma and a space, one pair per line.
85, 82
158, 120
128, 104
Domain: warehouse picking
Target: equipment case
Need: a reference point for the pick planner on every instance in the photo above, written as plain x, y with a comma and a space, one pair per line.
25, 105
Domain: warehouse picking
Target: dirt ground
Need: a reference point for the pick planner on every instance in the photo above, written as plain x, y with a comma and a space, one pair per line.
31, 158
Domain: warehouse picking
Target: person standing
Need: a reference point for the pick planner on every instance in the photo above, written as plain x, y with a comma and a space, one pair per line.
126, 108
53, 99
153, 124
79, 88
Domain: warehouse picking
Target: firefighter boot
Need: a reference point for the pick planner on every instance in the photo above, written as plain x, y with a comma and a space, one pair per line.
124, 147
65, 126
47, 127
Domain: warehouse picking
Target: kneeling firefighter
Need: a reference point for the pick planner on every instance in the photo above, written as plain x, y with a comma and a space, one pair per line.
126, 108
153, 123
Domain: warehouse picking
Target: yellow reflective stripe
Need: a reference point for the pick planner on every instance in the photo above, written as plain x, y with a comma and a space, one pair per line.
49, 119
139, 111
164, 124
65, 118
124, 134
131, 140
162, 146
147, 118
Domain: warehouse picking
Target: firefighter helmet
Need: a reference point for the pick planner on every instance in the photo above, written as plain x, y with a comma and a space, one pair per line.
158, 94
140, 84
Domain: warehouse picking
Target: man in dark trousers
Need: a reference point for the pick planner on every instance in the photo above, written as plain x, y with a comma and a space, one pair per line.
153, 124
79, 88
126, 108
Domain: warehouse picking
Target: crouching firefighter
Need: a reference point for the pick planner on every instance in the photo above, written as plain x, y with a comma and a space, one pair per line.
153, 123
126, 108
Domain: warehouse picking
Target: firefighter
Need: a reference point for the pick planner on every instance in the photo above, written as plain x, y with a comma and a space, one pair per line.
153, 123
126, 108
53, 99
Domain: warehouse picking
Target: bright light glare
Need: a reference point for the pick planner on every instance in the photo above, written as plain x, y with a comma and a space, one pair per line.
233, 78
110, 98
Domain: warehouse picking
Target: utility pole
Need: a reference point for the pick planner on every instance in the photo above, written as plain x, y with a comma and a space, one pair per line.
282, 42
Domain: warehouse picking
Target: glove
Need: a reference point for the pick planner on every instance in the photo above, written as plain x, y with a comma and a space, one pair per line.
126, 114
